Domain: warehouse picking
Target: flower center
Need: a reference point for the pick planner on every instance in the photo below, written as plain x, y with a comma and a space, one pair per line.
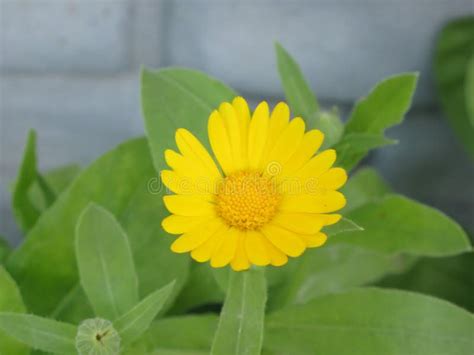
247, 200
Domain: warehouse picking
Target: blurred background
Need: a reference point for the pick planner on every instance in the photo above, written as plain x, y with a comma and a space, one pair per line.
70, 69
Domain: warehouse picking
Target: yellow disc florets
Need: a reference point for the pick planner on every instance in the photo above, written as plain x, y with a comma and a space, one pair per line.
247, 200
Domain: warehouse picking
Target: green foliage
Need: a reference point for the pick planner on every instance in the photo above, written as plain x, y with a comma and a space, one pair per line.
178, 98
201, 289
450, 278
186, 335
384, 107
299, 95
303, 102
25, 212
363, 187
108, 217
396, 224
240, 329
371, 321
119, 181
4, 249
452, 60
136, 321
40, 333
10, 301
57, 180
105, 262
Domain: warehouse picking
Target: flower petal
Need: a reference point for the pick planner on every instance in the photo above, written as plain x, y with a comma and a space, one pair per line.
225, 252
220, 142
279, 120
197, 236
309, 145
256, 249
287, 143
315, 240
240, 261
234, 133
188, 205
243, 115
300, 223
286, 241
317, 165
277, 258
258, 131
186, 185
333, 179
204, 251
181, 224
323, 201
191, 147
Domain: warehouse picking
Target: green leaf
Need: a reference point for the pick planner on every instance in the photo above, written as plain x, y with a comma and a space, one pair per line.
123, 181
300, 97
332, 126
4, 249
454, 49
106, 268
178, 98
353, 145
448, 278
187, 335
364, 186
10, 301
344, 225
137, 320
240, 329
40, 333
74, 307
470, 90
396, 224
371, 321
56, 180
329, 269
384, 107
25, 212
201, 289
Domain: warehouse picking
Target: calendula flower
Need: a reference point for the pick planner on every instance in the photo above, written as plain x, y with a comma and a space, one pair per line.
269, 197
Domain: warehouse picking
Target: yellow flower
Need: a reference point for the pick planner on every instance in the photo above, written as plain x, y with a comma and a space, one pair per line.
269, 199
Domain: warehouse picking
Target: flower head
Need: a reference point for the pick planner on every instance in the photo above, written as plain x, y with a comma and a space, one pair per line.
269, 198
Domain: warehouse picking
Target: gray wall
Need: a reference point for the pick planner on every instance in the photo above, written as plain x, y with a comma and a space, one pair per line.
70, 70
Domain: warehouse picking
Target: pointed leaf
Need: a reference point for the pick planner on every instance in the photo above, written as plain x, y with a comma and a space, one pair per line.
123, 181
105, 262
344, 225
300, 97
240, 329
384, 107
186, 335
137, 320
10, 301
396, 224
454, 49
371, 321
25, 212
366, 185
4, 249
352, 145
40, 333
448, 278
329, 269
178, 98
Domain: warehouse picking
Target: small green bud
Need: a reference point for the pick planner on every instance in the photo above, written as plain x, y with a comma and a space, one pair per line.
332, 127
97, 337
